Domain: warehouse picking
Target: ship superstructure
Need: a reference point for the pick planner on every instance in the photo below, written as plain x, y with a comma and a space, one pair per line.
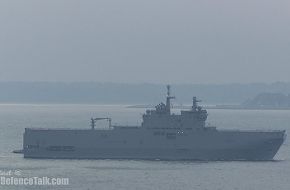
162, 135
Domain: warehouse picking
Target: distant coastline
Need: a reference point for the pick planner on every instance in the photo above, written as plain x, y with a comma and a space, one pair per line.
262, 101
230, 107
224, 95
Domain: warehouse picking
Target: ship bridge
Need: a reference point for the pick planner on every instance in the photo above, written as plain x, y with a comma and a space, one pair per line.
161, 117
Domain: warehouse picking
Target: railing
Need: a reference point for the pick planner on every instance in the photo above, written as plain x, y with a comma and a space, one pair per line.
251, 130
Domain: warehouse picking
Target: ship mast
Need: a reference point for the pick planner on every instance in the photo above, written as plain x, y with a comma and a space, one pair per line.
194, 106
168, 104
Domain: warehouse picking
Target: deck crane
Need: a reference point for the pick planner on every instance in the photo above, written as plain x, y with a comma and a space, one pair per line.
94, 120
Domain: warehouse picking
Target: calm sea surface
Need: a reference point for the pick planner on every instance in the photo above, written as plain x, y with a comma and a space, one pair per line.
138, 175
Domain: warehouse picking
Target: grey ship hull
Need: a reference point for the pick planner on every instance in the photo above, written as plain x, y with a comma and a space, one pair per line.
138, 143
162, 135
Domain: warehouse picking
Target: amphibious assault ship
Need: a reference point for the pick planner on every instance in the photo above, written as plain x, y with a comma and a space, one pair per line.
162, 135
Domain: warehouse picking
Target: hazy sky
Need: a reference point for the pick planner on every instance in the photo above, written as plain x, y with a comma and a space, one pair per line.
159, 41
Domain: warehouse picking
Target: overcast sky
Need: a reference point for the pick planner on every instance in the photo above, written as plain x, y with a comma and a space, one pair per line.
155, 41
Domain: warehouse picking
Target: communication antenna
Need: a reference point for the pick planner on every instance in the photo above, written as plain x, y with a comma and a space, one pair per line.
168, 90
168, 104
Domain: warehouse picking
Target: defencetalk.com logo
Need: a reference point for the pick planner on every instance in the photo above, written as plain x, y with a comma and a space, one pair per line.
14, 178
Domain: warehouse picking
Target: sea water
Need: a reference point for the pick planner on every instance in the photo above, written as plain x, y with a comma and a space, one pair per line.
136, 174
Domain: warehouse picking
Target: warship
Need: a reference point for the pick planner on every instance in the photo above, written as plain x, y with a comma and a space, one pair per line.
162, 136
